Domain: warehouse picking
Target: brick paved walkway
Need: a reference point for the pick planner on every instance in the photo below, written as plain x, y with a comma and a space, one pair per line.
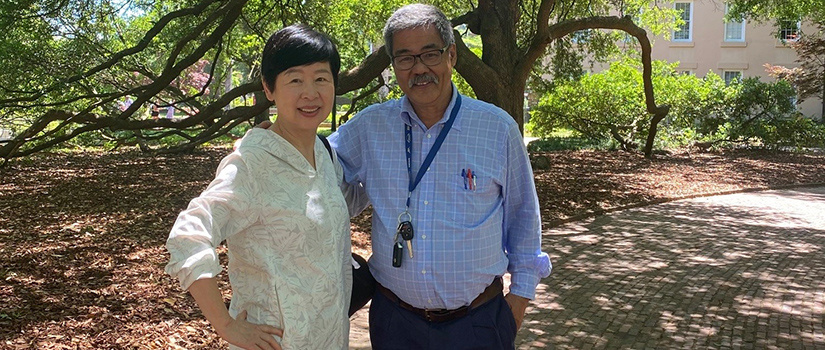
725, 272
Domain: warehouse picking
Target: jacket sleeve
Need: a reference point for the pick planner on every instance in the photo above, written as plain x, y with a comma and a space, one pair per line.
222, 210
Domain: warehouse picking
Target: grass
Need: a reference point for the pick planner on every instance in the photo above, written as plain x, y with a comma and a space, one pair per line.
566, 139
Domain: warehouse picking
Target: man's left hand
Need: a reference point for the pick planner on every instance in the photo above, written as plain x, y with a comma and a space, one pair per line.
518, 305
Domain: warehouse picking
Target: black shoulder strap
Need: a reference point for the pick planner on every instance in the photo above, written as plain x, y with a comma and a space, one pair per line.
326, 144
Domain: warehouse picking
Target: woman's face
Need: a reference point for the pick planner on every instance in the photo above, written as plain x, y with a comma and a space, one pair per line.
303, 95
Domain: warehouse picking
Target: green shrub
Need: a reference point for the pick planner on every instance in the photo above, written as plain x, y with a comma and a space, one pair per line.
610, 105
598, 106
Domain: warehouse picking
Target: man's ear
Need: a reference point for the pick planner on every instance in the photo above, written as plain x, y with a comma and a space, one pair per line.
453, 54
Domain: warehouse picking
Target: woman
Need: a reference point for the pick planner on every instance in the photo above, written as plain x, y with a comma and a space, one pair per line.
276, 201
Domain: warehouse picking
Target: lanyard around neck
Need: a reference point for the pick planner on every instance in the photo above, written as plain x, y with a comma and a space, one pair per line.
430, 155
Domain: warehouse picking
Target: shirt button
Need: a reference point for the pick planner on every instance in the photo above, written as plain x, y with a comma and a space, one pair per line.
423, 272
429, 136
423, 236
429, 301
426, 202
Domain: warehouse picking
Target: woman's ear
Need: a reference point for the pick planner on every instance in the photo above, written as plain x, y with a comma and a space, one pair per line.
270, 95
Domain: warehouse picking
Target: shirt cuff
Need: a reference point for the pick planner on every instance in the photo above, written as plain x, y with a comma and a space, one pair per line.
523, 283
201, 265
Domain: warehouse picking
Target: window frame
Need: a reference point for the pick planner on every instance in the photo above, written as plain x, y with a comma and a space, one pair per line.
782, 37
742, 25
690, 21
729, 82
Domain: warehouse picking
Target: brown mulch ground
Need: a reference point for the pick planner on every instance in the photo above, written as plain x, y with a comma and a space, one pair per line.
81, 235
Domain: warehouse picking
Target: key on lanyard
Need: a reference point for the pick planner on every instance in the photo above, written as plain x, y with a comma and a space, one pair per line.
405, 230
397, 253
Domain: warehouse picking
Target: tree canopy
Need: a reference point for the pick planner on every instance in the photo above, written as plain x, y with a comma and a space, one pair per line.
778, 10
70, 64
809, 78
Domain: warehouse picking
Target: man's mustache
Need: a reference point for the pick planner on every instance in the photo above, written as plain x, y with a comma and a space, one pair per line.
423, 78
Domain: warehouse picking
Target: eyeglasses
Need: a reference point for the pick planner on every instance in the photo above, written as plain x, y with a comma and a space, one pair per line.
428, 58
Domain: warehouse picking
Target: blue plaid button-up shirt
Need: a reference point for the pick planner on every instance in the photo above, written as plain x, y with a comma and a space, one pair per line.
464, 236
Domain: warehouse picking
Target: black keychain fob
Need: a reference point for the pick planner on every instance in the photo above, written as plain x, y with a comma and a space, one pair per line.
397, 254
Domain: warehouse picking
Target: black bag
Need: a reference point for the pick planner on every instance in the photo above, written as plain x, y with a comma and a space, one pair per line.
363, 284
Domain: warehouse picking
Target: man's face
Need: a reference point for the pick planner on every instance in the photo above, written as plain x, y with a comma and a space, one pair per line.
424, 85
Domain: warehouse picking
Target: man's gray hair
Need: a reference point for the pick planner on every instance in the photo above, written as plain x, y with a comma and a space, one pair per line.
417, 16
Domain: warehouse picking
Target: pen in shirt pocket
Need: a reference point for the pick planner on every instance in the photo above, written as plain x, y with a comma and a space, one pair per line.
464, 177
470, 178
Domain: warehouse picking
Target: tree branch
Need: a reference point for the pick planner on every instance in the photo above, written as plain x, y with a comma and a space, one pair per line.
484, 80
558, 30
142, 44
363, 74
355, 99
232, 12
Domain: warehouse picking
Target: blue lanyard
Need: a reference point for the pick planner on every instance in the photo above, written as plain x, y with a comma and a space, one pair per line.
436, 146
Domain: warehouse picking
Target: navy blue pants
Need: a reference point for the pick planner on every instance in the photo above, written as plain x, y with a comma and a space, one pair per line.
489, 326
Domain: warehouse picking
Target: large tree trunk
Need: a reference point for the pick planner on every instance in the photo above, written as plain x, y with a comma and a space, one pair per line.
497, 77
822, 111
512, 101
500, 75
264, 115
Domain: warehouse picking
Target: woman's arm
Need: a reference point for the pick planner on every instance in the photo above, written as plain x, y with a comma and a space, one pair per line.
236, 331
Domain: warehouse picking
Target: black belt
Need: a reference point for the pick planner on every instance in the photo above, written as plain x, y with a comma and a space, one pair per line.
444, 315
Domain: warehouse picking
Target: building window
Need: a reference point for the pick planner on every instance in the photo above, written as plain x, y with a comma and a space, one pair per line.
684, 31
732, 76
685, 72
789, 30
734, 30
581, 36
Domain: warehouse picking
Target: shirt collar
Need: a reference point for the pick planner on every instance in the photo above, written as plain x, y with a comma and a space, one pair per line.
281, 149
409, 117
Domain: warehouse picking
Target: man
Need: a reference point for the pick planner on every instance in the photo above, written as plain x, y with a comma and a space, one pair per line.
455, 206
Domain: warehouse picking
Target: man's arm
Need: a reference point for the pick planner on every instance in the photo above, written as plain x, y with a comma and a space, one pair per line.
356, 197
518, 305
347, 145
522, 221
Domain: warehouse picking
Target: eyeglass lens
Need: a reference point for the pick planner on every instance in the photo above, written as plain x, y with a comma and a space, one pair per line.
429, 58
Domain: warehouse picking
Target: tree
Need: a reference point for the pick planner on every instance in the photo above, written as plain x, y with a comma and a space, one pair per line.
778, 10
809, 79
86, 56
610, 104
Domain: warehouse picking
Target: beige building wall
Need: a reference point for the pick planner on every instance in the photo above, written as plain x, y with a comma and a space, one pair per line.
707, 50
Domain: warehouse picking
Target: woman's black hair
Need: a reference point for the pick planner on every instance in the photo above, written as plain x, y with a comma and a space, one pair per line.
297, 45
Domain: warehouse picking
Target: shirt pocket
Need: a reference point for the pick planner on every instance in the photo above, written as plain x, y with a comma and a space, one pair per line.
471, 206
479, 185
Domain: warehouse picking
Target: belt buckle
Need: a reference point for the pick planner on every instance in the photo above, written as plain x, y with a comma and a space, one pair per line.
441, 314
435, 315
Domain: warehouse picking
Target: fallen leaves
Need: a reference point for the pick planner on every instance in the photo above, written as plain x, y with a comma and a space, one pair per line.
82, 249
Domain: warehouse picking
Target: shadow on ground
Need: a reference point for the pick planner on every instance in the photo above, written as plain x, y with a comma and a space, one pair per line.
744, 270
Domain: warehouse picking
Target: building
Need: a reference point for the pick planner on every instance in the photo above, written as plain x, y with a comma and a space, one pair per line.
732, 50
